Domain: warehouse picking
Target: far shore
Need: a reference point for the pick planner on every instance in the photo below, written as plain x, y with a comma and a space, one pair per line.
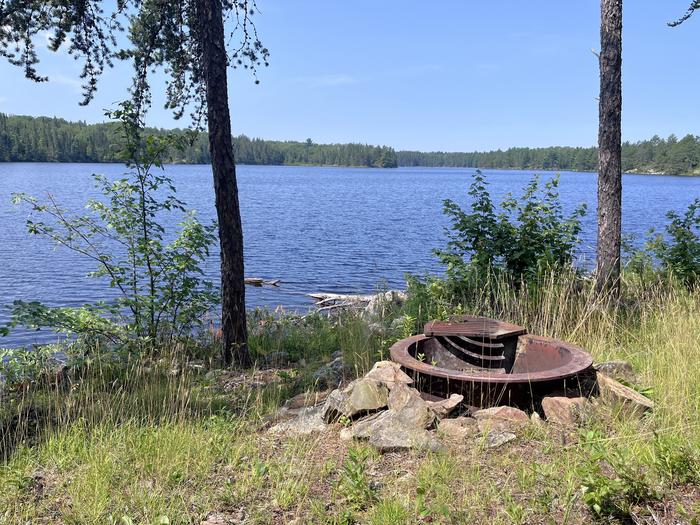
552, 170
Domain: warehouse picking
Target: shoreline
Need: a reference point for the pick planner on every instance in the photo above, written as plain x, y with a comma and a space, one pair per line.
533, 170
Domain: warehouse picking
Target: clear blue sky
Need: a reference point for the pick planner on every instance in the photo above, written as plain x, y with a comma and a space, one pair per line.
451, 75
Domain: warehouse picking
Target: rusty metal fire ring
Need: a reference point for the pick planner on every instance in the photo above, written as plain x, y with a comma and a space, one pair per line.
448, 354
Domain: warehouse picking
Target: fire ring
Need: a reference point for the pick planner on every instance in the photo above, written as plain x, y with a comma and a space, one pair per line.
491, 362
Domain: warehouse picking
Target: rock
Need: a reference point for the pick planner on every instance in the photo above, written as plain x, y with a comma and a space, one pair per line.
503, 418
358, 398
497, 438
308, 421
306, 399
213, 375
280, 358
293, 406
409, 407
388, 432
459, 427
612, 391
566, 411
536, 419
618, 370
332, 374
446, 406
503, 413
389, 373
228, 518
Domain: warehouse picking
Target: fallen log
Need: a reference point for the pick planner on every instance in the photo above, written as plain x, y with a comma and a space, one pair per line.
325, 298
259, 281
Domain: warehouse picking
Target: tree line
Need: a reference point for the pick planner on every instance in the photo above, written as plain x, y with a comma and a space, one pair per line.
43, 139
656, 155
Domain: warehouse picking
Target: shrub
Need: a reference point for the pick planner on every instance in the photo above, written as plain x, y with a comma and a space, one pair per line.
678, 251
527, 236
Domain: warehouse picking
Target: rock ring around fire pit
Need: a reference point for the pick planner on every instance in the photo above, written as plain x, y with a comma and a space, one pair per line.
491, 362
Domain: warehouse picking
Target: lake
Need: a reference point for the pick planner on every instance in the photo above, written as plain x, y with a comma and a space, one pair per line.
315, 228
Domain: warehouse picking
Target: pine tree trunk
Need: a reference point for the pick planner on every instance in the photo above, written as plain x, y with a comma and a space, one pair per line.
233, 315
609, 147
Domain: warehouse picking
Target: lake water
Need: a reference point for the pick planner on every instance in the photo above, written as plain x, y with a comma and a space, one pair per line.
317, 229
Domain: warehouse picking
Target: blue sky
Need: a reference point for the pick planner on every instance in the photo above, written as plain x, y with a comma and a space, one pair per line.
453, 75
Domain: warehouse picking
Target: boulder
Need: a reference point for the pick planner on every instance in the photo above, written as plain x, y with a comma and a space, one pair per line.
387, 432
410, 407
459, 427
566, 411
444, 407
618, 370
332, 375
389, 373
308, 421
612, 391
358, 398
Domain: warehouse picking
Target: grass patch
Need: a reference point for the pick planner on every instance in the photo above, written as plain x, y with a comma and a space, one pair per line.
144, 439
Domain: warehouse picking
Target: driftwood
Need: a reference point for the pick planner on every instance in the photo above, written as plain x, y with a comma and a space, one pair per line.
259, 281
370, 303
326, 302
325, 298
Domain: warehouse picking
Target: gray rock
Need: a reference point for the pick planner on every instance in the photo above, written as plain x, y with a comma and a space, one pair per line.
213, 375
389, 373
443, 408
409, 407
618, 370
308, 421
332, 374
497, 438
387, 432
459, 427
295, 405
306, 399
614, 392
358, 398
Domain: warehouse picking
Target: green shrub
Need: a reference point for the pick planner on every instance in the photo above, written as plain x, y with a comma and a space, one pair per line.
529, 234
678, 251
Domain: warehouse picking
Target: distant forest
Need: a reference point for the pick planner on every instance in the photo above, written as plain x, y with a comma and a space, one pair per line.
43, 139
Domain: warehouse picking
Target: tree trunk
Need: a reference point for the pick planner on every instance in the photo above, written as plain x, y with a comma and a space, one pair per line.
233, 314
609, 147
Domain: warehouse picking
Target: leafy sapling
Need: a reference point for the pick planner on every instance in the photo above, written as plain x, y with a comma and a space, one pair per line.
161, 294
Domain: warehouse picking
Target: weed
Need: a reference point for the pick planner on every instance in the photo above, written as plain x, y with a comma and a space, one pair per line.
353, 484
